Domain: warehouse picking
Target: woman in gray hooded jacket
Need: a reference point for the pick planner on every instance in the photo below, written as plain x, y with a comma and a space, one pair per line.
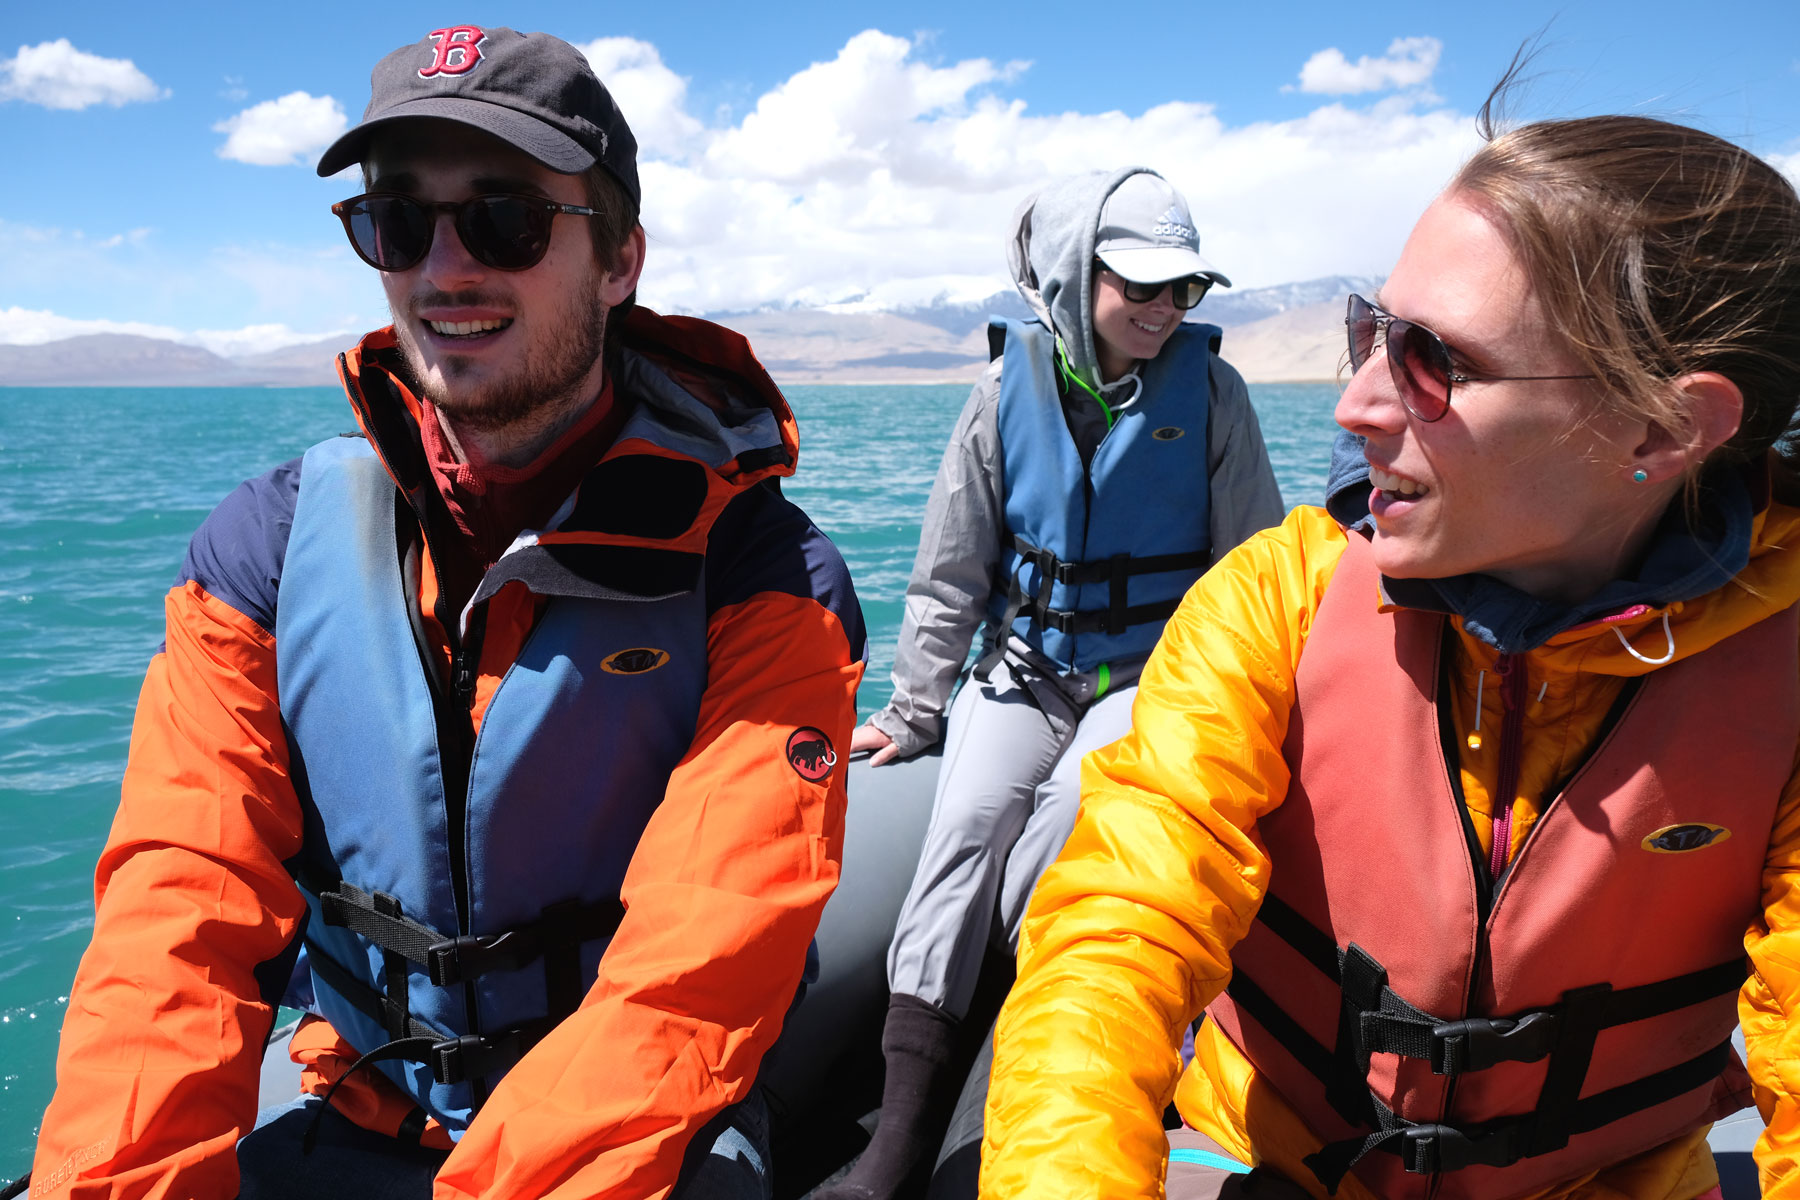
1106, 458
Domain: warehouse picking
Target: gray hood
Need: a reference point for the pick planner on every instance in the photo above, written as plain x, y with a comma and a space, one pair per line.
1051, 249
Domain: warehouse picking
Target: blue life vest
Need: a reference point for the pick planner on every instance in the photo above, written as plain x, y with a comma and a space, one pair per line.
1096, 558
453, 930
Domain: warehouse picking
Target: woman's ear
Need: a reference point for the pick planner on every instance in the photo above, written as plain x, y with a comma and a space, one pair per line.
1715, 407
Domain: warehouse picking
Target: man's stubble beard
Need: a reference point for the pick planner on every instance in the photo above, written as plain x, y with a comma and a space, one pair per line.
554, 378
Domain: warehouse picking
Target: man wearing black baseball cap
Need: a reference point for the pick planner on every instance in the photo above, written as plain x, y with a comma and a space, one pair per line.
500, 738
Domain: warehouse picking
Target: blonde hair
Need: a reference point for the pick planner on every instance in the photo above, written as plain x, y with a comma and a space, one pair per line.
1656, 250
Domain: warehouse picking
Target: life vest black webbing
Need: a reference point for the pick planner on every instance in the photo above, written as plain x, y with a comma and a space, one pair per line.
556, 937
1115, 571
1375, 1019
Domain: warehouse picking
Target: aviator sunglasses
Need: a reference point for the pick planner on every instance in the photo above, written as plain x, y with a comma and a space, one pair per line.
1184, 293
392, 232
1418, 359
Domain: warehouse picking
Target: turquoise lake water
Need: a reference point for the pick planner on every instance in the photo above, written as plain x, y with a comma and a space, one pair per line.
100, 489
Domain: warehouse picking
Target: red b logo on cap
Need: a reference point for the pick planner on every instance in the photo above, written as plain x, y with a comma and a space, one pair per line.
458, 50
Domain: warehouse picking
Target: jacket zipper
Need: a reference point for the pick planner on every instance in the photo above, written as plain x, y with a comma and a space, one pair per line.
1512, 736
1512, 731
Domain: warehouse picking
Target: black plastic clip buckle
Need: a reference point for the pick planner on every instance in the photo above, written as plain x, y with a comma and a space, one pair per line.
467, 955
454, 1059
1480, 1042
1430, 1149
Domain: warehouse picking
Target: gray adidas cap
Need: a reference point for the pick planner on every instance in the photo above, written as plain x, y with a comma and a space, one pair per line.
531, 90
1146, 234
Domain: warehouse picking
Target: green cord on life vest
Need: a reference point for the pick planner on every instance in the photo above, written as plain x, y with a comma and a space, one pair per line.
1105, 674
1068, 373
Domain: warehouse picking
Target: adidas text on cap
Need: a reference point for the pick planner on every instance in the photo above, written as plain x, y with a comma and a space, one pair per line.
531, 90
1146, 234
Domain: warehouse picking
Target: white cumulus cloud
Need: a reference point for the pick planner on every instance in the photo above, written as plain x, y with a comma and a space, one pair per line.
881, 177
255, 339
652, 97
275, 133
34, 327
1409, 62
57, 75
1787, 164
878, 179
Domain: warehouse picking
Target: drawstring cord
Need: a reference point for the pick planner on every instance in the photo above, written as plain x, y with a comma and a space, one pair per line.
400, 1048
1475, 734
1650, 662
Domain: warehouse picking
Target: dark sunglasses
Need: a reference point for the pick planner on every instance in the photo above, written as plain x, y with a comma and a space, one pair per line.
1418, 359
1184, 293
392, 232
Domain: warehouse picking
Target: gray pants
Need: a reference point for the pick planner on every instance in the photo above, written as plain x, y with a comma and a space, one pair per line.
1007, 796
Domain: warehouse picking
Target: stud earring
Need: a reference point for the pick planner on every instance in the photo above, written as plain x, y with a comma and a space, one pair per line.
1640, 476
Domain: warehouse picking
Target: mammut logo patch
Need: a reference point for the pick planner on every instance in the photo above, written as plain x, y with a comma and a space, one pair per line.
634, 661
458, 50
1680, 839
809, 752
1168, 433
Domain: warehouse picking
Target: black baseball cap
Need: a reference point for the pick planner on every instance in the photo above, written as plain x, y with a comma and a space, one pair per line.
531, 90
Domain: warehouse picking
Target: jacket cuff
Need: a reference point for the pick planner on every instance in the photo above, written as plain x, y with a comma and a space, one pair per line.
907, 739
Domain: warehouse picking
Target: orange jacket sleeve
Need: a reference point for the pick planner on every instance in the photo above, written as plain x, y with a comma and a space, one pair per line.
196, 926
722, 898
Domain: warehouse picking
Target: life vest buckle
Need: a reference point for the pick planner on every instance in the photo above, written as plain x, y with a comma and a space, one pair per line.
1477, 1043
1430, 1149
458, 1059
465, 956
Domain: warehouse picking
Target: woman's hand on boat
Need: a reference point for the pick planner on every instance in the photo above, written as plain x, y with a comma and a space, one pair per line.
867, 737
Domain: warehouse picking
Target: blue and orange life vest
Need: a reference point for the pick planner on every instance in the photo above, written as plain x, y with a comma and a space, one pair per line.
1096, 556
461, 896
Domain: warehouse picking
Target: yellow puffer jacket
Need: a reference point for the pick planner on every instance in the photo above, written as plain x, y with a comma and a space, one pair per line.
1130, 931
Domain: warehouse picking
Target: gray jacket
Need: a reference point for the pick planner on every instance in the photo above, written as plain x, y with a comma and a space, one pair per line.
958, 565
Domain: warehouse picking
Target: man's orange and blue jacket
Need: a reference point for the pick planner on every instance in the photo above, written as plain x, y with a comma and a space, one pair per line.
313, 756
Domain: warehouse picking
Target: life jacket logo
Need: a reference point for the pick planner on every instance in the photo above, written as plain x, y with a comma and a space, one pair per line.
634, 661
458, 50
1681, 839
1168, 433
809, 752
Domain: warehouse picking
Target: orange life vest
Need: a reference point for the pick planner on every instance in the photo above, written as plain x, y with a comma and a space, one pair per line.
1458, 1036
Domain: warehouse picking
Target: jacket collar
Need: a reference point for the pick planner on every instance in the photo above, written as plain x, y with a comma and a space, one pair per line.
1684, 561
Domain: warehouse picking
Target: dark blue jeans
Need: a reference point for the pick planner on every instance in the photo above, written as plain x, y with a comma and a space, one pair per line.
729, 1160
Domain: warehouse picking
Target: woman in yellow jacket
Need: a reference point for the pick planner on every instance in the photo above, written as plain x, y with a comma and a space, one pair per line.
1459, 822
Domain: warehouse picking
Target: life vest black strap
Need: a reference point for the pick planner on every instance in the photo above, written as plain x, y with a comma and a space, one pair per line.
453, 958
452, 1058
1116, 571
1374, 1019
369, 1001
1391, 1025
1428, 1149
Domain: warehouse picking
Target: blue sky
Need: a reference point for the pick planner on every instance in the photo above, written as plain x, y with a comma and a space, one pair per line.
809, 152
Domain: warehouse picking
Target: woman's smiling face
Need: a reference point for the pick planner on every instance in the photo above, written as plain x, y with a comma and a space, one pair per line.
1520, 480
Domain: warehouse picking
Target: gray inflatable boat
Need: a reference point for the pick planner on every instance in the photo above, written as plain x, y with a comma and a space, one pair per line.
826, 1087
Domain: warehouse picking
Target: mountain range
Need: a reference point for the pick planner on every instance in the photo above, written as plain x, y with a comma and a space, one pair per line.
1288, 333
